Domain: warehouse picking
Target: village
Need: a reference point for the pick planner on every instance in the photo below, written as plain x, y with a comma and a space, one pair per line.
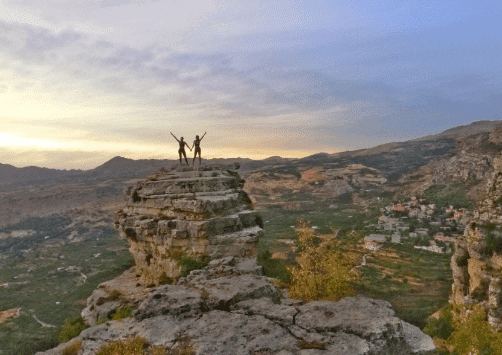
420, 222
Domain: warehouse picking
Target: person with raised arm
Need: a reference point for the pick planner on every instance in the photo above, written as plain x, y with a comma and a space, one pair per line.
196, 144
182, 148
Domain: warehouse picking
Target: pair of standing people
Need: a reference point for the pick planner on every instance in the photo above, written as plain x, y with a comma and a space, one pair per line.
196, 144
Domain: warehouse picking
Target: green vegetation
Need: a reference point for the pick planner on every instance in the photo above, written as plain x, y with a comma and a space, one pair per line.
137, 345
122, 312
427, 286
73, 348
45, 278
188, 264
71, 329
130, 346
322, 272
275, 268
452, 193
493, 244
442, 327
472, 333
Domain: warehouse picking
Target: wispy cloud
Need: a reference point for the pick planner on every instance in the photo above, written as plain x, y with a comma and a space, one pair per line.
286, 76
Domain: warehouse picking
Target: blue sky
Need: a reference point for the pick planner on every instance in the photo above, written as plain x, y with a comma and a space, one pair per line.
83, 81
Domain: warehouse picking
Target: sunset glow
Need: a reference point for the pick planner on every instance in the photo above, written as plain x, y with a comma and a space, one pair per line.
82, 82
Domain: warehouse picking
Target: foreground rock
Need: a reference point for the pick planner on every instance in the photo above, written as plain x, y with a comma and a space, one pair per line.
232, 309
194, 211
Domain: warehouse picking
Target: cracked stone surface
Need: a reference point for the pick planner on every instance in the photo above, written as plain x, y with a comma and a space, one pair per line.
232, 310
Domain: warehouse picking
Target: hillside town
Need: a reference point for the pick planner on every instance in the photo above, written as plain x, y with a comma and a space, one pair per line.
431, 228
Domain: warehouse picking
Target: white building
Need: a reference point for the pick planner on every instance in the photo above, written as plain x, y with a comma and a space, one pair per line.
372, 245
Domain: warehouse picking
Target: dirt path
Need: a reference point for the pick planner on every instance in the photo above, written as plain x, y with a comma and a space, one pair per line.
45, 325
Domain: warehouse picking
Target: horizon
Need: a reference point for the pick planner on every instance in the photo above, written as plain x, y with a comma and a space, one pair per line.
239, 157
82, 83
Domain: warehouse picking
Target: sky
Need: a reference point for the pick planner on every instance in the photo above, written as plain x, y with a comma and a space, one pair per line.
82, 81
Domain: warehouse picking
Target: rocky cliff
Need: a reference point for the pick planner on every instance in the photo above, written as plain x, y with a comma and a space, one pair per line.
229, 306
477, 261
198, 211
472, 164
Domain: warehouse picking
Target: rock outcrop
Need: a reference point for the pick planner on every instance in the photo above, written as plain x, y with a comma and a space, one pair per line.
194, 211
477, 261
230, 308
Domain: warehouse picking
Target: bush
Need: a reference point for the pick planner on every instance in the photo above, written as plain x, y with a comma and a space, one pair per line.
188, 264
441, 327
259, 221
137, 345
73, 348
322, 273
122, 312
71, 329
493, 244
463, 259
130, 346
275, 268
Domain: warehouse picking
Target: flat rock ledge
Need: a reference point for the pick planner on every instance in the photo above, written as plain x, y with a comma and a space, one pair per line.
230, 308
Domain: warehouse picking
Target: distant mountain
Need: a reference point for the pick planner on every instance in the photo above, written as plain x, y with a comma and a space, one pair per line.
125, 168
477, 127
392, 159
10, 174
398, 158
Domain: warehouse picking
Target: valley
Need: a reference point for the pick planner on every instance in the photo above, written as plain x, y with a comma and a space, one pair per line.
57, 241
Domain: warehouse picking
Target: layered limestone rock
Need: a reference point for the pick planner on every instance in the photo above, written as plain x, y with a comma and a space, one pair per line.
477, 268
229, 308
196, 211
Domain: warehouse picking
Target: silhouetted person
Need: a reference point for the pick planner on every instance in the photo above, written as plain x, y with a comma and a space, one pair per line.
182, 147
196, 144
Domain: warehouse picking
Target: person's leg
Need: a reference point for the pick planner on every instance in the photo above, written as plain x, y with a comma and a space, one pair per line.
185, 155
179, 152
200, 161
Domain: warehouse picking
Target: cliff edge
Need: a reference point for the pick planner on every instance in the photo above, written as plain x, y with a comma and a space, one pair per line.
477, 261
229, 307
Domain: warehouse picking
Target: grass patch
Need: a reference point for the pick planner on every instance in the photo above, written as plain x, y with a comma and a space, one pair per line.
71, 329
122, 312
188, 264
275, 268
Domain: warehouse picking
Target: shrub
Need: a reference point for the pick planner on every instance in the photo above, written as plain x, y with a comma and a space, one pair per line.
259, 221
73, 348
322, 273
275, 268
135, 196
114, 295
441, 327
122, 312
130, 346
138, 346
493, 244
188, 264
71, 329
463, 259
167, 281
